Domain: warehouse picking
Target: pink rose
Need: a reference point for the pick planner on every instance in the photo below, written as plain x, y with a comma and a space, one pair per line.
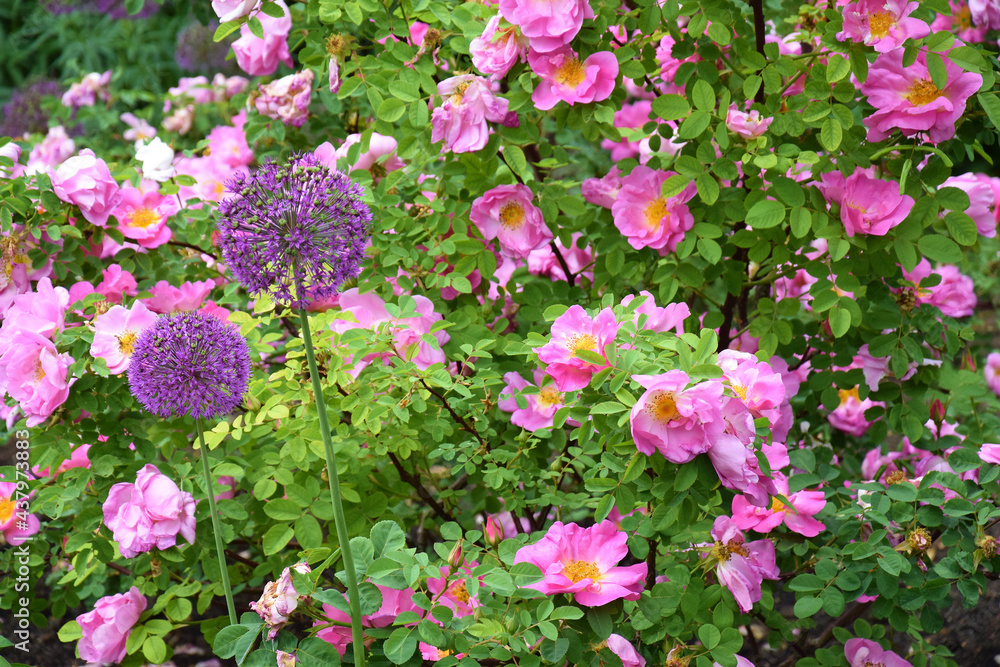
565, 77
260, 57
506, 213
12, 152
461, 121
646, 217
992, 372
33, 373
669, 318
985, 13
678, 421
85, 181
85, 93
742, 566
230, 10
149, 513
15, 525
871, 205
115, 334
849, 416
54, 149
498, 49
864, 652
287, 99
539, 407
279, 600
798, 517
142, 216
548, 24
167, 298
625, 651
747, 125
107, 627
572, 331
882, 24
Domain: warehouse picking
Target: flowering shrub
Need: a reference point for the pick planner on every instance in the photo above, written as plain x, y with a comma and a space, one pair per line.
619, 333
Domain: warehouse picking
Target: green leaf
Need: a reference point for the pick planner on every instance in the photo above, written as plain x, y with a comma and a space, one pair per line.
155, 649
671, 107
708, 188
391, 109
276, 538
703, 95
400, 645
710, 250
514, 157
840, 321
837, 68
371, 598
225, 30
694, 124
273, 10
674, 184
935, 67
254, 24
939, 249
765, 214
831, 134
806, 607
70, 632
225, 644
991, 105
962, 228
315, 652
282, 509
709, 636
386, 537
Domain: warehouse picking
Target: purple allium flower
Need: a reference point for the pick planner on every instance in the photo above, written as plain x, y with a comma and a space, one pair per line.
197, 51
24, 112
296, 230
189, 363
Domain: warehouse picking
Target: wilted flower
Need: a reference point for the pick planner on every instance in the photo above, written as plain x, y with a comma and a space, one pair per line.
287, 99
189, 364
279, 600
296, 230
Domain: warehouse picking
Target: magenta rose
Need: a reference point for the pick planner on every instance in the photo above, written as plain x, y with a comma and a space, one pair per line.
107, 627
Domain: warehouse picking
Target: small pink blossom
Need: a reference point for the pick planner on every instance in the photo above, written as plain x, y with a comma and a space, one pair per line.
231, 10
139, 129
149, 513
573, 331
507, 213
625, 651
451, 590
646, 217
578, 257
669, 318
583, 562
498, 49
990, 453
798, 517
379, 159
955, 293
632, 116
54, 149
279, 600
540, 407
168, 299
748, 125
461, 120
142, 216
107, 627
982, 200
115, 334
42, 311
882, 24
228, 145
85, 181
872, 206
960, 22
287, 99
12, 152
736, 464
742, 566
849, 416
394, 603
678, 421
757, 385
548, 24
865, 652
77, 459
602, 191
565, 77
85, 93
33, 373
905, 98
992, 372
260, 57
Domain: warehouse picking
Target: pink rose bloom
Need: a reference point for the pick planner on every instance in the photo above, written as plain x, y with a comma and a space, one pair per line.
279, 600
798, 518
452, 591
15, 526
625, 651
882, 24
180, 120
210, 176
85, 181
51, 151
85, 93
906, 99
646, 217
669, 64
461, 121
990, 453
992, 372
960, 22
849, 416
230, 10
33, 373
115, 333
229, 145
77, 459
287, 99
42, 311
149, 513
630, 117
954, 295
756, 384
379, 159
12, 152
572, 331
669, 318
985, 13
394, 603
602, 191
871, 205
167, 298
565, 77
142, 216
540, 407
747, 125
583, 562
260, 57
107, 627
506, 213
139, 129
543, 261
982, 200
116, 282
743, 566
864, 652
498, 49
548, 24
679, 421
736, 464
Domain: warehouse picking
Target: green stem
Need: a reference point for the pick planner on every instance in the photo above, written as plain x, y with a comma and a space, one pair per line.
209, 486
353, 596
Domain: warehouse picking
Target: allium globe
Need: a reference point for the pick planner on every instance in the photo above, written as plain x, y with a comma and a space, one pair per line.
189, 364
296, 230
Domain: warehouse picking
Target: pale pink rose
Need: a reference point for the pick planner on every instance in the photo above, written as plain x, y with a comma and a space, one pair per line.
547, 24
982, 200
226, 87
180, 120
195, 89
990, 453
210, 174
625, 651
16, 525
757, 385
798, 517
33, 373
578, 257
85, 93
539, 407
960, 22
646, 217
228, 145
678, 421
849, 416
106, 628
630, 117
905, 98
287, 99
498, 49
882, 24
42, 311
565, 77
168, 299
51, 151
602, 191
77, 459
260, 57
379, 159
506, 213
149, 513
394, 603
461, 121
985, 13
748, 125
573, 331
954, 295
433, 653
116, 283
865, 652
279, 600
451, 590
139, 129
12, 152
230, 10
85, 181
115, 334
583, 562
669, 318
872, 206
142, 216
992, 372
742, 566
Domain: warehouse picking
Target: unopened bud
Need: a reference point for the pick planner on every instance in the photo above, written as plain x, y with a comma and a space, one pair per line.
456, 557
937, 411
494, 531
969, 362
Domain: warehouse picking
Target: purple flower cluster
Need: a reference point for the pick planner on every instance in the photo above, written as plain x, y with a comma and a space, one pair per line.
189, 363
295, 230
24, 112
197, 51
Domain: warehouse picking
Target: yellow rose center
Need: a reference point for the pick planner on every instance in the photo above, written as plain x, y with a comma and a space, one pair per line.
581, 342
460, 592
577, 570
511, 215
777, 505
6, 509
548, 397
740, 390
921, 92
655, 211
662, 407
963, 18
724, 552
572, 73
879, 24
456, 97
143, 217
126, 342
848, 394
39, 371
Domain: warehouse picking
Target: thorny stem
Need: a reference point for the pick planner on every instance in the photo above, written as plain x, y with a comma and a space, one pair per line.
216, 529
353, 595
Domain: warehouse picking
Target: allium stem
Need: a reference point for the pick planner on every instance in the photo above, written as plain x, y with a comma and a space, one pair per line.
353, 596
215, 524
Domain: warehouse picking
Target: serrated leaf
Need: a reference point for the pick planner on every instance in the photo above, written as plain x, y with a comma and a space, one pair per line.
671, 107
764, 214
